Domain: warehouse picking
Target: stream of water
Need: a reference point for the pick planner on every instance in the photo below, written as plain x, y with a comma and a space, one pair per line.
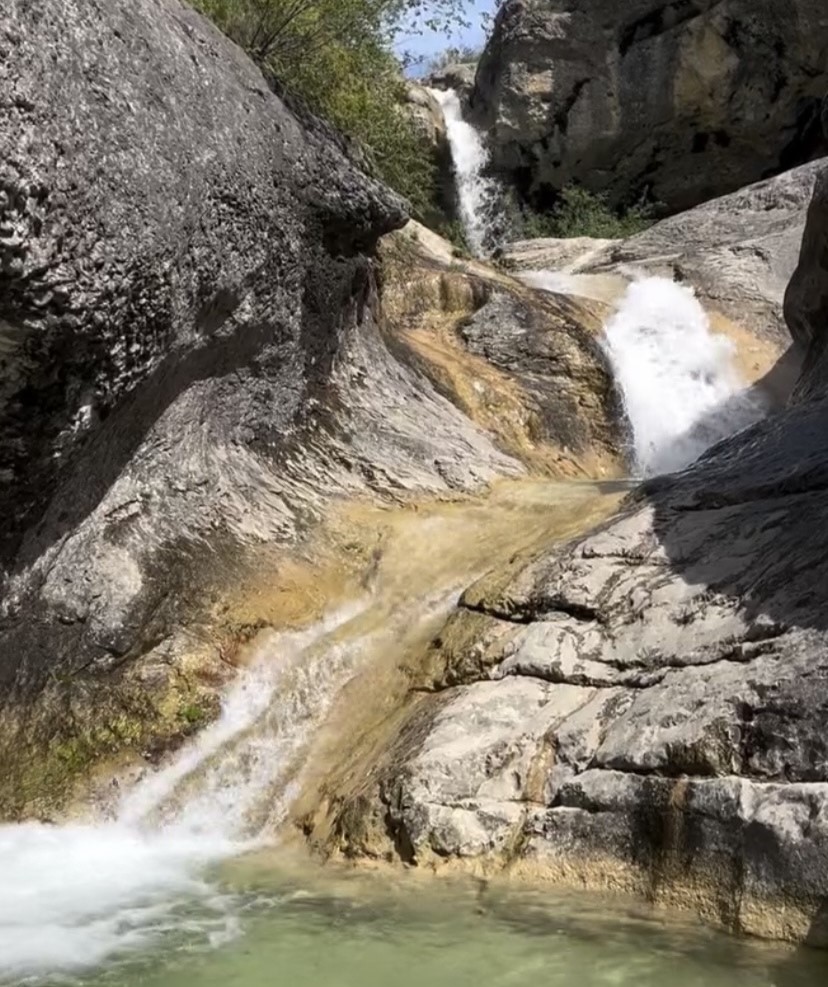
152, 888
349, 933
478, 193
185, 882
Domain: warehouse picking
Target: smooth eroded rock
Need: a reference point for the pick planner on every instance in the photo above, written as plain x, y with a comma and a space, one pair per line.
201, 353
646, 708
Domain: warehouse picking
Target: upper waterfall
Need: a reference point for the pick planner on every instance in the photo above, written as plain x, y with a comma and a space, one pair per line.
478, 193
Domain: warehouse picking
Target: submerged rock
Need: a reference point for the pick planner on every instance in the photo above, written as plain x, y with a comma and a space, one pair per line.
682, 101
646, 708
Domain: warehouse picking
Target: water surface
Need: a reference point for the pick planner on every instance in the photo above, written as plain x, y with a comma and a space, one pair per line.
415, 933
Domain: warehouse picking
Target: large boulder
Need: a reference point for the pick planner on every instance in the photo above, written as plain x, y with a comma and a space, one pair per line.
181, 257
426, 114
681, 101
646, 708
527, 367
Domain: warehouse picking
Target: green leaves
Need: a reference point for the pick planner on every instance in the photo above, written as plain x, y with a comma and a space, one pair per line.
579, 212
337, 55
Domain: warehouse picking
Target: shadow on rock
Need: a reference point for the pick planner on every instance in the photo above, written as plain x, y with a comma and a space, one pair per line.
748, 520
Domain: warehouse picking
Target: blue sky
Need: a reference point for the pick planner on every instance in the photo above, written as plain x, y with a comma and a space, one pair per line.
430, 44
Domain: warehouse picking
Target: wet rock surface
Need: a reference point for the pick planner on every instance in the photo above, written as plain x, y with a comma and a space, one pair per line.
683, 101
738, 252
646, 708
197, 363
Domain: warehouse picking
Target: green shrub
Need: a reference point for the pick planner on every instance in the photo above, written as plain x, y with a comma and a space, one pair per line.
579, 212
455, 233
193, 715
337, 55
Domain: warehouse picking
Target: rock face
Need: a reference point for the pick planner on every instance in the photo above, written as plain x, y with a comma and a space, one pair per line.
195, 363
427, 116
526, 367
180, 258
458, 76
806, 300
738, 252
683, 101
646, 708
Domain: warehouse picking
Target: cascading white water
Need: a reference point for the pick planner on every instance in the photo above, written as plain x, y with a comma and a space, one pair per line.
678, 379
216, 784
73, 895
477, 193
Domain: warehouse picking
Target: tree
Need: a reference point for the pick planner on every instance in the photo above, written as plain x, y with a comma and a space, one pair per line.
454, 55
282, 33
338, 56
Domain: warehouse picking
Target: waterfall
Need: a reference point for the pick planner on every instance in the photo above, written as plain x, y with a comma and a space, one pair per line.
151, 870
74, 895
478, 194
680, 386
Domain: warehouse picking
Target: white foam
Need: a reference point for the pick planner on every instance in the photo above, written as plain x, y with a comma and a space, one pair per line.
478, 194
679, 382
229, 762
72, 896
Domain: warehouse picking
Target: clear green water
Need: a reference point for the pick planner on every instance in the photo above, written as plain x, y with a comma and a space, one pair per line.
422, 934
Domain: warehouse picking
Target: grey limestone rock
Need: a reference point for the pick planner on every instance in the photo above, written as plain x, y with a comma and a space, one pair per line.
650, 707
189, 311
683, 101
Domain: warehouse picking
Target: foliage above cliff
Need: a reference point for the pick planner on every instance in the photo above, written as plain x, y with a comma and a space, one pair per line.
338, 56
454, 55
